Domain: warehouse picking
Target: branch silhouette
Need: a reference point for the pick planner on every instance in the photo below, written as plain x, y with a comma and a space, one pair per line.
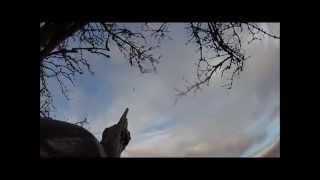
225, 41
64, 50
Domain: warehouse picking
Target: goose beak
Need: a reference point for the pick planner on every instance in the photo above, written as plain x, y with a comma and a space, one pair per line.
123, 119
124, 115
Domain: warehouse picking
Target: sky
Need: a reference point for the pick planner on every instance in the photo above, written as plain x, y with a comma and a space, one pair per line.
214, 122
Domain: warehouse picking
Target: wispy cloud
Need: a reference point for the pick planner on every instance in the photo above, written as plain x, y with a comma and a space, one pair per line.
213, 122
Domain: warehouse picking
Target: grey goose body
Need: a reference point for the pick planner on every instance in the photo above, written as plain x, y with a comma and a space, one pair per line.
62, 139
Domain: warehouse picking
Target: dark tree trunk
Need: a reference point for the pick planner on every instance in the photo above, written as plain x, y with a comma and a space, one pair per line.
52, 34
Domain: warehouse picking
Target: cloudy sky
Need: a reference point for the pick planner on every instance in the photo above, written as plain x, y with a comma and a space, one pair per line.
243, 121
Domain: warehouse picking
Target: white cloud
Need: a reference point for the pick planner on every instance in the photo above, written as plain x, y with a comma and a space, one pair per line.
213, 122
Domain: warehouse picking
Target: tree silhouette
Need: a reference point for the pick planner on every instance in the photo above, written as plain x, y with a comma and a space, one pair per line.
64, 48
224, 42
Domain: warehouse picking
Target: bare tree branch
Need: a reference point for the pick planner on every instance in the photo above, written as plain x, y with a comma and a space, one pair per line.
225, 42
64, 46
82, 123
63, 50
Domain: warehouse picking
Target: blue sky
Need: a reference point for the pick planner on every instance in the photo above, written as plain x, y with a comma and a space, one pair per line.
214, 122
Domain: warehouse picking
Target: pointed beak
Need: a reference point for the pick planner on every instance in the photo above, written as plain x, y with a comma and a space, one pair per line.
124, 115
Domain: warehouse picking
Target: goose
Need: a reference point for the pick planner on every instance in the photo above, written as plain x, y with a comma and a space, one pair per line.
63, 139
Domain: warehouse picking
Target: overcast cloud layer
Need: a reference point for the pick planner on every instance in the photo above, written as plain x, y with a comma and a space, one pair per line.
214, 122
